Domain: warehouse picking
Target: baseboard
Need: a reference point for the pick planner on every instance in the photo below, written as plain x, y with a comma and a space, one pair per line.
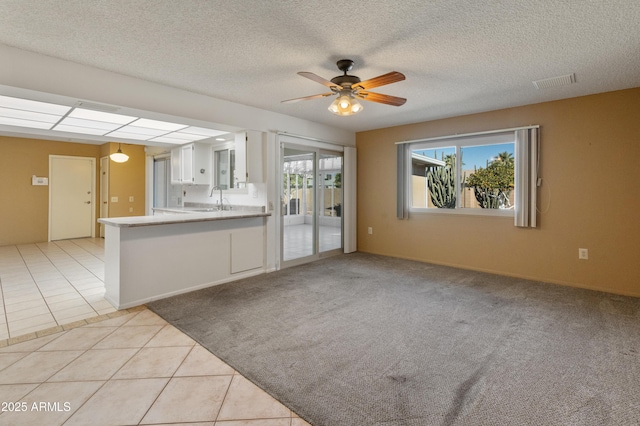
506, 274
142, 301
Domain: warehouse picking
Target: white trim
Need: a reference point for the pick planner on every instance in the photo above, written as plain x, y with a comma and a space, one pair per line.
93, 191
465, 211
461, 141
103, 190
463, 135
349, 200
319, 143
149, 172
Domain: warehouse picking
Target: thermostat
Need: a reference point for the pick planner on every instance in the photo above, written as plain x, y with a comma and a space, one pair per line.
35, 180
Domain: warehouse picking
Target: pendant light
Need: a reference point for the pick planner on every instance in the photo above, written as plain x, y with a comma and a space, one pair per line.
119, 156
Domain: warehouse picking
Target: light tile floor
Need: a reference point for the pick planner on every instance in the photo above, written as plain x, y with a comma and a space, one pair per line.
49, 284
68, 357
131, 368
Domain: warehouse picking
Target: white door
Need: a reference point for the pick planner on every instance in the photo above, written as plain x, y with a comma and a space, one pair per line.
71, 197
104, 191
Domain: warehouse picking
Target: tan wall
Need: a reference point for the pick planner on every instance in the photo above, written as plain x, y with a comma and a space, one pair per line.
590, 153
127, 180
24, 209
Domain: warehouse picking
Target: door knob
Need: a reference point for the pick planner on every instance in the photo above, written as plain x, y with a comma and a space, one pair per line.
87, 202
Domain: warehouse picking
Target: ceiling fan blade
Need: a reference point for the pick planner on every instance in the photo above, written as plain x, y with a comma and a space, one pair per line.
306, 98
381, 99
381, 80
318, 79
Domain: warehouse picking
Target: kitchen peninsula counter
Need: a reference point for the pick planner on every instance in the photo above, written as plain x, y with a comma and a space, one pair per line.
153, 257
179, 217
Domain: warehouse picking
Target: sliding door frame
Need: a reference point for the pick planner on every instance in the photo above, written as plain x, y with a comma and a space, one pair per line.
316, 254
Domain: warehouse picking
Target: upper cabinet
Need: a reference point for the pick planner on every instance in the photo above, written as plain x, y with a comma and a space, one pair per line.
239, 161
191, 164
249, 160
176, 165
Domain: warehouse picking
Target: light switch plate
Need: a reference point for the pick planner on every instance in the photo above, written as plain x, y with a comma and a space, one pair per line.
114, 199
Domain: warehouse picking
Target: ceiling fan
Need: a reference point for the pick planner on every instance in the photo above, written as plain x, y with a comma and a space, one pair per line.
349, 89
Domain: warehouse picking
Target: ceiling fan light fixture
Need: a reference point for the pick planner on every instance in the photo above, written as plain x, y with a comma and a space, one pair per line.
350, 87
119, 156
345, 105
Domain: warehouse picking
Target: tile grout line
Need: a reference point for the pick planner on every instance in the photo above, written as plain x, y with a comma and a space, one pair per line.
67, 279
74, 258
111, 377
89, 270
4, 305
137, 352
34, 283
68, 326
225, 396
64, 276
73, 360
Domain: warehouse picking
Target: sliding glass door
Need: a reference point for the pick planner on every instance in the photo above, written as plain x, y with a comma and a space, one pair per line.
330, 202
299, 219
311, 204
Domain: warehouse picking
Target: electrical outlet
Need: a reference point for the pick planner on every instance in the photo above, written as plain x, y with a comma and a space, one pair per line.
583, 253
130, 209
370, 230
131, 198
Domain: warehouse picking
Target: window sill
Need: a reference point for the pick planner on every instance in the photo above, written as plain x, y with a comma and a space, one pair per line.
467, 212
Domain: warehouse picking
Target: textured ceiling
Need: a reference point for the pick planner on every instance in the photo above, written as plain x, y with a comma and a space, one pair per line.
459, 56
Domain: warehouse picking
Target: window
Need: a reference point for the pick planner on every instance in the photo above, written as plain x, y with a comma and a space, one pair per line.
467, 173
491, 173
224, 165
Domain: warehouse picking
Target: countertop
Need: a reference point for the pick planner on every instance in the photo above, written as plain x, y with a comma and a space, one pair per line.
189, 216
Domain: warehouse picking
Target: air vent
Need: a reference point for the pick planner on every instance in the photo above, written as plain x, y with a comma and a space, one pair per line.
96, 107
562, 80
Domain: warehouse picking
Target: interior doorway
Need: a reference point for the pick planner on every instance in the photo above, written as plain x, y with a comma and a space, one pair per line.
311, 196
104, 191
165, 194
71, 197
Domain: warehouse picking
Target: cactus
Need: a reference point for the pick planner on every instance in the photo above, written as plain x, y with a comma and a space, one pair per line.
490, 198
442, 187
493, 185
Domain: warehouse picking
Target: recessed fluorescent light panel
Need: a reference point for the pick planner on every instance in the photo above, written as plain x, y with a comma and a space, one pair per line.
42, 115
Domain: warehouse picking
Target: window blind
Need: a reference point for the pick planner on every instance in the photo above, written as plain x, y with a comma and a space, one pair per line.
526, 177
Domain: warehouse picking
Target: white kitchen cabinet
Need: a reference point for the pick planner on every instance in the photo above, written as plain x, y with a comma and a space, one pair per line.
249, 146
191, 164
176, 166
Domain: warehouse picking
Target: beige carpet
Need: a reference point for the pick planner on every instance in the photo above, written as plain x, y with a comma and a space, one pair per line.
370, 340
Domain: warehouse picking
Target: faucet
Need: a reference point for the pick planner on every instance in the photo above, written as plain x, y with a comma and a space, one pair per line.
219, 187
